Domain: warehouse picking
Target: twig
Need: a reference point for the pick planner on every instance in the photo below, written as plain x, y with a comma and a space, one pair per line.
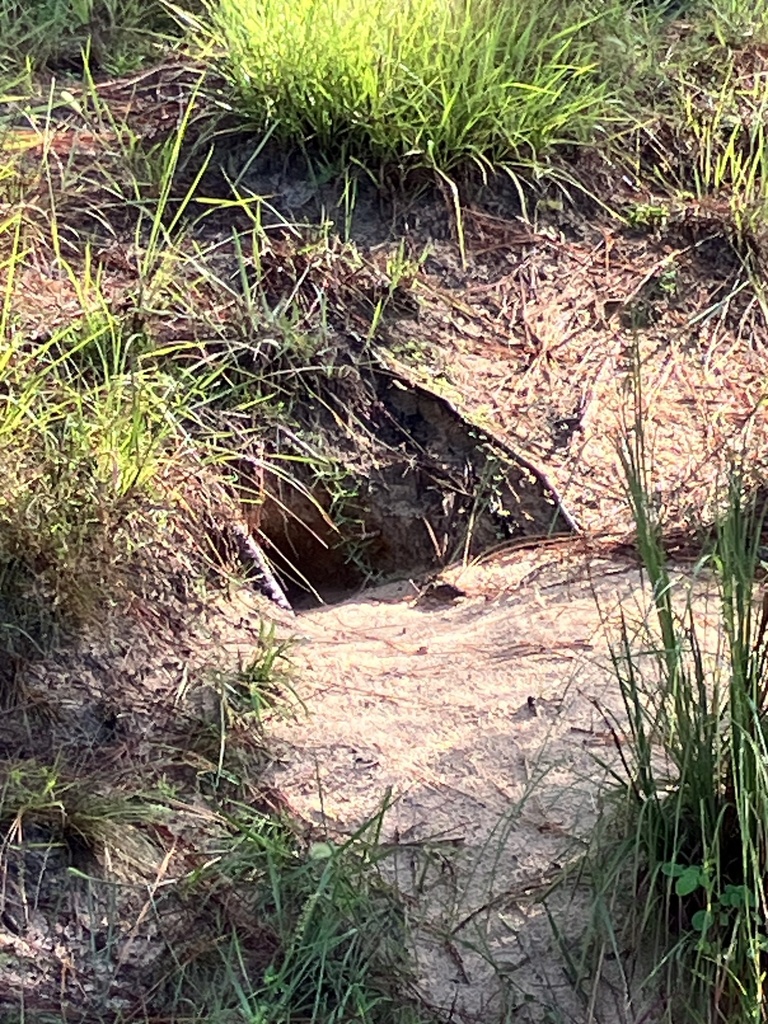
251, 552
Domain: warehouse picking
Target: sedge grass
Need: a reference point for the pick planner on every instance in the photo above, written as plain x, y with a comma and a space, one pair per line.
685, 836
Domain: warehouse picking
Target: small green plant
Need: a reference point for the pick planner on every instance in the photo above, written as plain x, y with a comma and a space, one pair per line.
650, 216
401, 272
262, 683
718, 914
667, 281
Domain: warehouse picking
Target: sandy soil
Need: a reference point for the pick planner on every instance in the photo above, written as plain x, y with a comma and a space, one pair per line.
484, 719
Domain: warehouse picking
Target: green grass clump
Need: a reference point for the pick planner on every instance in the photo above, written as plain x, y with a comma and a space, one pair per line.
693, 845
338, 933
239, 917
424, 82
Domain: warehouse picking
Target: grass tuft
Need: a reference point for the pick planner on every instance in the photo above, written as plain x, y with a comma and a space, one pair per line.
428, 84
692, 800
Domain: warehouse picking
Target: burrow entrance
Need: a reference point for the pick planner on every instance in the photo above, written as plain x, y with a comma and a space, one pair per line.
388, 481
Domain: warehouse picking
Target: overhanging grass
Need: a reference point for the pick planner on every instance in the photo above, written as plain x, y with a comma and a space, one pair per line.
104, 415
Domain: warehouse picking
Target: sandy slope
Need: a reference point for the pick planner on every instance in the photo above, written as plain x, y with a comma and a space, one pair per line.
484, 718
